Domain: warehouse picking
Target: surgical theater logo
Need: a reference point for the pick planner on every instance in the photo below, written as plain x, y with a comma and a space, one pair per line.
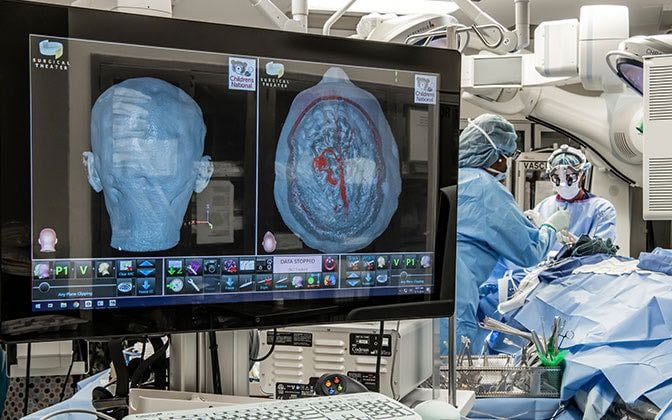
51, 48
53, 51
242, 73
425, 89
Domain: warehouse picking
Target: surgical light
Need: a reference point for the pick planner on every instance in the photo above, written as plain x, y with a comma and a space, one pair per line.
627, 61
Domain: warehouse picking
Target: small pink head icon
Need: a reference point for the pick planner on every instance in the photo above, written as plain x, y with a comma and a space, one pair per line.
42, 271
269, 243
47, 240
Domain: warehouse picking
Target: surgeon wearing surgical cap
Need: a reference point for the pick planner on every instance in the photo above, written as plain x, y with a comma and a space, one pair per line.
588, 214
489, 224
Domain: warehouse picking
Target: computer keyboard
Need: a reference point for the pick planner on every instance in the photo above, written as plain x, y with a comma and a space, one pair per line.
364, 406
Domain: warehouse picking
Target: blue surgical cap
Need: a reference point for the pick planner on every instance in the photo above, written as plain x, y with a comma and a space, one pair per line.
567, 159
475, 149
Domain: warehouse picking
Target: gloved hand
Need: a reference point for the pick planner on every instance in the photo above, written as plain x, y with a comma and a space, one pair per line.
558, 220
533, 216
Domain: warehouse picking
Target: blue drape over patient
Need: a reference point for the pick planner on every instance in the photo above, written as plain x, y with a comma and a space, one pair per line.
337, 178
147, 139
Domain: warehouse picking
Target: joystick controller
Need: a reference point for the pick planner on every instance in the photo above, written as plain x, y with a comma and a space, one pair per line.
336, 384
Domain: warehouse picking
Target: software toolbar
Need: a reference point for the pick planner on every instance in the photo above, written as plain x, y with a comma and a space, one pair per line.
105, 283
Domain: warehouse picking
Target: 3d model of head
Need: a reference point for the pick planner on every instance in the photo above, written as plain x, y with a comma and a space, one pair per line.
147, 139
47, 240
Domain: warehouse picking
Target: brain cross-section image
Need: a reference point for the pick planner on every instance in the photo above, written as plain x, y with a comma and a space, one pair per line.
337, 179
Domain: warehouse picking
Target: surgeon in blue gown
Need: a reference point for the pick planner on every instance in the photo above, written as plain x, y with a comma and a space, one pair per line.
589, 214
490, 225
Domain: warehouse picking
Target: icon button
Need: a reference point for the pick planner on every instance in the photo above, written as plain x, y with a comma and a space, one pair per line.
194, 285
175, 268
245, 283
368, 263
329, 280
281, 281
104, 269
146, 286
313, 280
264, 282
62, 270
125, 287
368, 279
83, 269
125, 268
247, 265
410, 261
195, 267
146, 271
382, 262
230, 265
211, 266
146, 263
211, 284
329, 263
382, 278
112, 303
229, 283
41, 271
174, 285
88, 304
264, 265
354, 263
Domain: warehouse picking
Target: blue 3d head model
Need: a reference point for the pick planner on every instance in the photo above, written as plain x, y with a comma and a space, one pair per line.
337, 179
147, 139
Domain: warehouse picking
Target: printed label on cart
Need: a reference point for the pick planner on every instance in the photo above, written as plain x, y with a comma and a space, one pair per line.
242, 73
290, 391
425, 89
295, 339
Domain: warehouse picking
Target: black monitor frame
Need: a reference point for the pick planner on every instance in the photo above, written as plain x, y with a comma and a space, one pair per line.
20, 19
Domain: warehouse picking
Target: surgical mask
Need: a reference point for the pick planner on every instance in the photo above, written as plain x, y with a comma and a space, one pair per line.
499, 176
568, 192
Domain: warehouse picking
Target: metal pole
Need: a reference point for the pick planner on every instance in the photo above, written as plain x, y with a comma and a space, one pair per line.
452, 363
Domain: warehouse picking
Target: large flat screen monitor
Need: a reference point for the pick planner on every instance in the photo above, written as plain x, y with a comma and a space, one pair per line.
161, 175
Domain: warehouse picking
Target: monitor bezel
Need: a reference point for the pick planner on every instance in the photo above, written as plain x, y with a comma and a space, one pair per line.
20, 19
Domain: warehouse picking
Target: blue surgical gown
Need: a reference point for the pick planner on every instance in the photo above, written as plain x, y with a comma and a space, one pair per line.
489, 226
593, 216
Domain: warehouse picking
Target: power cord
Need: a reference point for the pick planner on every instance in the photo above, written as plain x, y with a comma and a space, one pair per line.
79, 411
214, 359
379, 354
395, 351
67, 377
261, 359
27, 390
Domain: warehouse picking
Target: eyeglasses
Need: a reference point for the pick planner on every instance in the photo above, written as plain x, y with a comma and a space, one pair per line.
567, 174
515, 155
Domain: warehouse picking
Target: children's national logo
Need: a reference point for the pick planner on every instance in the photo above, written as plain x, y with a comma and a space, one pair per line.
425, 89
242, 73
